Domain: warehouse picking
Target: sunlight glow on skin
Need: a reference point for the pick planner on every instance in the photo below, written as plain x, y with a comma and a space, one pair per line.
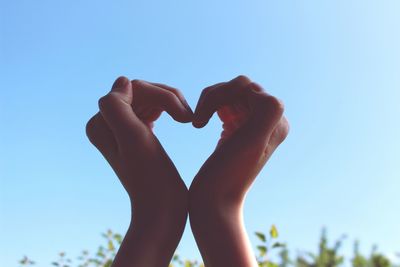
122, 131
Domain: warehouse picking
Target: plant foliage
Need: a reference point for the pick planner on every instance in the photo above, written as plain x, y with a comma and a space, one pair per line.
270, 252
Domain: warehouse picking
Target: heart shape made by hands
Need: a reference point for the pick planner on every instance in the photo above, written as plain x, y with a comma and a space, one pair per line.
253, 127
252, 121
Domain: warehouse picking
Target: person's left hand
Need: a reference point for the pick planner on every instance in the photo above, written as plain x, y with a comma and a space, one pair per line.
122, 132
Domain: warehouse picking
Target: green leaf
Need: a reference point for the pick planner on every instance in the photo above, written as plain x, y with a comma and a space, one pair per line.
273, 232
100, 254
108, 263
111, 246
261, 236
263, 250
95, 261
176, 257
278, 245
118, 238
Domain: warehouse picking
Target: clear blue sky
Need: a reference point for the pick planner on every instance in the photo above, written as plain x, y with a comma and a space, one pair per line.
335, 64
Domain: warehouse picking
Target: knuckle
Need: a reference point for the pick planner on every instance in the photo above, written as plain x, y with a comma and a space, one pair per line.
281, 131
206, 91
242, 79
169, 95
109, 100
255, 87
272, 103
208, 98
90, 128
205, 94
120, 81
284, 123
276, 104
105, 101
136, 83
176, 92
169, 98
270, 106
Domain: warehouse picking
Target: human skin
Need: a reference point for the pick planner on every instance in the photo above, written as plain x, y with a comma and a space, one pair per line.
253, 127
122, 132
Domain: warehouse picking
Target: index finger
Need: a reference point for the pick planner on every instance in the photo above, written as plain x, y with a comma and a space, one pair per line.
217, 96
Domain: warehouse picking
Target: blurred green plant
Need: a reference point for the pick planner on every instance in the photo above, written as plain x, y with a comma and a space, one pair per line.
25, 261
326, 256
269, 253
267, 245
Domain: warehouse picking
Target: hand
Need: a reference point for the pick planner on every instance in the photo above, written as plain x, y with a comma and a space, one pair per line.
253, 127
122, 131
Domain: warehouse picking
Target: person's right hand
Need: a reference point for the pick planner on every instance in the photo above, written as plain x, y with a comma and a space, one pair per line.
253, 127
122, 131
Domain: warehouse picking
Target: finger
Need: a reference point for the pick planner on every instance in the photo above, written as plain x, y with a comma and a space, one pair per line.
255, 133
255, 140
217, 96
101, 136
175, 91
116, 109
266, 110
150, 115
157, 98
196, 121
265, 113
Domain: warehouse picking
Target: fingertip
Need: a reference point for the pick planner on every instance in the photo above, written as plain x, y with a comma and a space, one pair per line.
190, 115
196, 125
200, 118
199, 124
185, 113
186, 105
187, 117
186, 121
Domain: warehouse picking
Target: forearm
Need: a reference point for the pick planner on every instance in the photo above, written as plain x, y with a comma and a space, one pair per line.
153, 235
220, 232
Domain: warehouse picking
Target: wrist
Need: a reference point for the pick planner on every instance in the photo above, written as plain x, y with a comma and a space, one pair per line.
213, 198
162, 205
218, 222
207, 208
